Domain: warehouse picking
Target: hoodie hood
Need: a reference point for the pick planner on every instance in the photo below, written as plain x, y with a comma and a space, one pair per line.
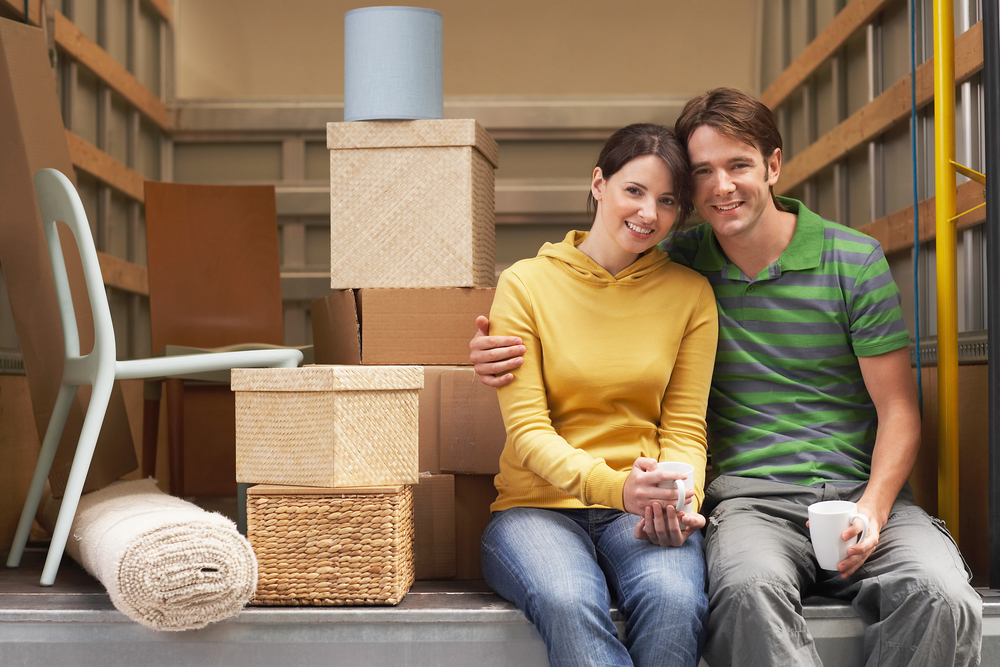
578, 264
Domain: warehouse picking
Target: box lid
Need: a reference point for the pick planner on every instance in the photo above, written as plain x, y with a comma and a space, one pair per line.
328, 378
276, 490
413, 133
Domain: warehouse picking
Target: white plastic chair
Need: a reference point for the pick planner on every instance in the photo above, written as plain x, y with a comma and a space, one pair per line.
59, 201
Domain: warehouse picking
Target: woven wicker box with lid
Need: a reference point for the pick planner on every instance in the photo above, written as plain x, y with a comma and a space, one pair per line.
411, 204
327, 426
326, 547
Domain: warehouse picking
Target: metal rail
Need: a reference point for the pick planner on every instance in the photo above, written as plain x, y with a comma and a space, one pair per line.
947, 276
991, 93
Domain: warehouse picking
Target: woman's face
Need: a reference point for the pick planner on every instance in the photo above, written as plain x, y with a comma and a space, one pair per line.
637, 205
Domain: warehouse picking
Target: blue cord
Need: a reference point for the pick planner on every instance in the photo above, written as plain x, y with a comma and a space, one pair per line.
916, 199
26, 12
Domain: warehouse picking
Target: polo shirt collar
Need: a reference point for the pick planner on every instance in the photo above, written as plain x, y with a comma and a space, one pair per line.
806, 249
804, 252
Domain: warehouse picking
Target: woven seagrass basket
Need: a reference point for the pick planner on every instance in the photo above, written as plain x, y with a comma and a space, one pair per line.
331, 547
327, 426
412, 204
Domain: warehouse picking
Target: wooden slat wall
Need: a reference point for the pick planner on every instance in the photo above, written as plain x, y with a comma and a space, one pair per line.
18, 9
89, 54
895, 231
880, 114
854, 16
78, 46
163, 7
83, 49
118, 273
102, 166
124, 275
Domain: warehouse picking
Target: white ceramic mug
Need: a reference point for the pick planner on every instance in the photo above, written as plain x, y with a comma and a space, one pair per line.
827, 521
682, 484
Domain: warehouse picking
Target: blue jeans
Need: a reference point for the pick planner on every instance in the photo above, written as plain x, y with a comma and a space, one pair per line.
560, 568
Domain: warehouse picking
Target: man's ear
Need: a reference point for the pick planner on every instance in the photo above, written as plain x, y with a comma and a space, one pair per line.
597, 184
773, 165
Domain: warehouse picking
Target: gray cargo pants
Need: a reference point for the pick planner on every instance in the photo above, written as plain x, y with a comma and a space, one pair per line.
912, 593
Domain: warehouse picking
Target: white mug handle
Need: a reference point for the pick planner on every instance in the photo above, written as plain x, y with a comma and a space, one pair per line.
682, 492
864, 521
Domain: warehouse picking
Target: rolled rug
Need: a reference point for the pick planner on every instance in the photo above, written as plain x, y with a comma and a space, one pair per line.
166, 563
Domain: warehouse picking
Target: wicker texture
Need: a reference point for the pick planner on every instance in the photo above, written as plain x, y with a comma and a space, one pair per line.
301, 427
328, 378
400, 134
411, 216
331, 547
483, 224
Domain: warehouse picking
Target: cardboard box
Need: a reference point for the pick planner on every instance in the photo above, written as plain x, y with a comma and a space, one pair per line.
32, 137
19, 446
420, 326
209, 440
336, 340
973, 432
412, 204
327, 426
430, 420
472, 433
427, 326
461, 428
473, 496
335, 329
434, 527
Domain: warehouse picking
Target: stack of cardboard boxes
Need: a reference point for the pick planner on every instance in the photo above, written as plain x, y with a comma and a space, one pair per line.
412, 241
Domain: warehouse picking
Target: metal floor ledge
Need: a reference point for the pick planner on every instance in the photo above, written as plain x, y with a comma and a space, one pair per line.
436, 624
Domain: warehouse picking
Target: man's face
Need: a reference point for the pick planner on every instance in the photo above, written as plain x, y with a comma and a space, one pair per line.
732, 181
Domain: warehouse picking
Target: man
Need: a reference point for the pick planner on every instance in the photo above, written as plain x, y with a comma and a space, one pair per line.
813, 354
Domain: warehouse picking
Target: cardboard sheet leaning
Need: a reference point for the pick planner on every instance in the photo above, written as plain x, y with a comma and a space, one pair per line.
32, 137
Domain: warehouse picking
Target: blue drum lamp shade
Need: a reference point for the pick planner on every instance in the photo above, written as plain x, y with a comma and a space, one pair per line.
393, 64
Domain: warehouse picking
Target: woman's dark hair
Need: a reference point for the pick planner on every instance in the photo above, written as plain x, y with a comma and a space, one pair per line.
641, 139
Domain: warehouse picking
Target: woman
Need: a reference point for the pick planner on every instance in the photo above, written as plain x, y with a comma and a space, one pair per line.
620, 345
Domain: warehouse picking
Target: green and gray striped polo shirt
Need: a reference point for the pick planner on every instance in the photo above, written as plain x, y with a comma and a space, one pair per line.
788, 402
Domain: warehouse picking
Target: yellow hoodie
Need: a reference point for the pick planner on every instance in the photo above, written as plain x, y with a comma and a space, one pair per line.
616, 367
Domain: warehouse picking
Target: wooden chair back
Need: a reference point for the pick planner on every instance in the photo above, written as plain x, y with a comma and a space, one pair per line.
214, 265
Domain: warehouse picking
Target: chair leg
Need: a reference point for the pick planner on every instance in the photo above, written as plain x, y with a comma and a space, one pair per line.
150, 427
175, 434
92, 423
53, 433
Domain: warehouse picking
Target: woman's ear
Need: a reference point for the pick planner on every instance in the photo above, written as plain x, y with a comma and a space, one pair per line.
597, 185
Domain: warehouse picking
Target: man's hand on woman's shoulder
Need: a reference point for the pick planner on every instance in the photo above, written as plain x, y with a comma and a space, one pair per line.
494, 357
